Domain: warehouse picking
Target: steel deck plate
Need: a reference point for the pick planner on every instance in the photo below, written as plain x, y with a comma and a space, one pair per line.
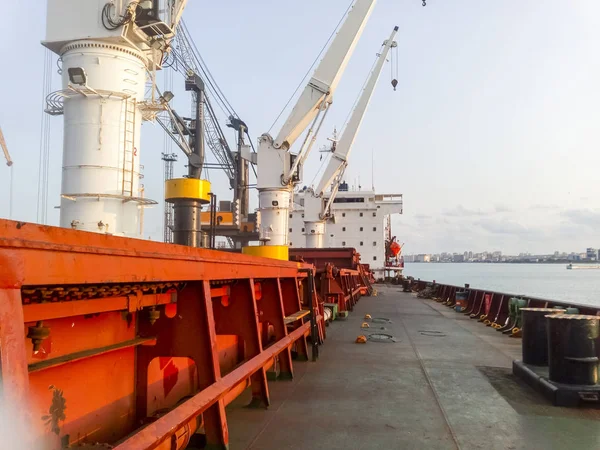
422, 392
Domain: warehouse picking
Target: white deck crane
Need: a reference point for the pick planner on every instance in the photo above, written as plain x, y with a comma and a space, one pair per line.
316, 206
9, 163
107, 51
278, 169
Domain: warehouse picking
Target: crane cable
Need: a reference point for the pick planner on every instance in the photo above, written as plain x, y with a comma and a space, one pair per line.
325, 160
183, 67
212, 87
209, 76
44, 155
195, 53
342, 129
312, 65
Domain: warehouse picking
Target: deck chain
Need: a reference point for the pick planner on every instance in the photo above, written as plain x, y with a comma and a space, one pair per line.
41, 294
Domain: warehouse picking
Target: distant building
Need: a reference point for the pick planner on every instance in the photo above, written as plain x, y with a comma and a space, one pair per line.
591, 253
458, 258
423, 258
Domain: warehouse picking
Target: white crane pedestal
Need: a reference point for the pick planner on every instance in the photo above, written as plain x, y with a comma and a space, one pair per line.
315, 234
102, 125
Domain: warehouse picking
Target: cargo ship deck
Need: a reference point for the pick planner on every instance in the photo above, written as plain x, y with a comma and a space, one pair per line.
446, 383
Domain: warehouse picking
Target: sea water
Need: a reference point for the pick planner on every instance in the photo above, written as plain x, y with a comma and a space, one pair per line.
550, 281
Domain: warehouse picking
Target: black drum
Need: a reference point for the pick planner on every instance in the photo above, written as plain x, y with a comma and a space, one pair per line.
535, 335
574, 348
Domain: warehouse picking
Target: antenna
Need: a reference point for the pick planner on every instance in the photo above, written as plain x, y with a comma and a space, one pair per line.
372, 171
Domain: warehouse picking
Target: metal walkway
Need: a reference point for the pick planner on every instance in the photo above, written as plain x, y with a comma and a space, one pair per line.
445, 384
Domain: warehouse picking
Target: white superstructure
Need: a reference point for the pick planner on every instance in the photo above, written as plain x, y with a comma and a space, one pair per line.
107, 51
358, 221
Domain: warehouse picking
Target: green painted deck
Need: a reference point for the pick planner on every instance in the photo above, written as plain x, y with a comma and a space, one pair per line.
446, 384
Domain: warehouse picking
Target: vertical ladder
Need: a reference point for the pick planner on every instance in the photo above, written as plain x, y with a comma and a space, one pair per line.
129, 149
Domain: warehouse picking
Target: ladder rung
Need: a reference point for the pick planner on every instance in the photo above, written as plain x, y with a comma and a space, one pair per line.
296, 316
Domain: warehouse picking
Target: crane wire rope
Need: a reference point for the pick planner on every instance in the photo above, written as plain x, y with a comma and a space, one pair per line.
44, 153
301, 83
325, 160
11, 187
180, 65
195, 53
359, 94
209, 76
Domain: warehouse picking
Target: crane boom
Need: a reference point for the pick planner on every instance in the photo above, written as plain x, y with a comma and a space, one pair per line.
327, 74
278, 169
339, 159
316, 212
177, 10
9, 161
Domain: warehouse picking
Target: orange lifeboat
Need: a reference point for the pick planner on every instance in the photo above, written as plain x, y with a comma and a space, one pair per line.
395, 248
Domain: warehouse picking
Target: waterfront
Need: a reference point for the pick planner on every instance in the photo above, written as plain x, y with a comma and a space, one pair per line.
551, 281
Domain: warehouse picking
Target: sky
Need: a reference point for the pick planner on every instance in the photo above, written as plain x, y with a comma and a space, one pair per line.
492, 135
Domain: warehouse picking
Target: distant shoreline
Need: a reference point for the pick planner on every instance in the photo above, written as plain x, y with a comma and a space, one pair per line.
519, 261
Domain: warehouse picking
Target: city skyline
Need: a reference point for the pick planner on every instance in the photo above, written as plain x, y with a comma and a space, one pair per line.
590, 254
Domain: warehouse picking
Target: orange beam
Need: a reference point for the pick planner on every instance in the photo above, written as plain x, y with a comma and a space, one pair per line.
72, 357
157, 432
57, 310
221, 291
40, 255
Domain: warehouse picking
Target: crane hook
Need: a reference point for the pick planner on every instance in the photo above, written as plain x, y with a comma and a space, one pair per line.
394, 83
424, 3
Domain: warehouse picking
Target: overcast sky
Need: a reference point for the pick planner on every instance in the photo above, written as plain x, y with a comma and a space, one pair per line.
492, 135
